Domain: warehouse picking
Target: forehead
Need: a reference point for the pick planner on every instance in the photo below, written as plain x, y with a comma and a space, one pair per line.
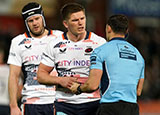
77, 15
34, 16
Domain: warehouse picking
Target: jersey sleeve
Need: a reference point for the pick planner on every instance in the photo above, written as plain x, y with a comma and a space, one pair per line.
96, 60
142, 62
14, 54
143, 71
48, 57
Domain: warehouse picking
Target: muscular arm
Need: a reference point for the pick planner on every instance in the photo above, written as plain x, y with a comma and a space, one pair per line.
93, 81
20, 86
44, 77
91, 84
13, 87
140, 87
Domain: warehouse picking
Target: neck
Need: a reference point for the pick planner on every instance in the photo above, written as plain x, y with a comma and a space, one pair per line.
76, 38
117, 36
44, 33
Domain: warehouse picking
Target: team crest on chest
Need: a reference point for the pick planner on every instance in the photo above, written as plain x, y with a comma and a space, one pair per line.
88, 50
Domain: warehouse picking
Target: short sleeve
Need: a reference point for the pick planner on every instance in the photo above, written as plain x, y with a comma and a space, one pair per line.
14, 55
143, 71
48, 57
96, 60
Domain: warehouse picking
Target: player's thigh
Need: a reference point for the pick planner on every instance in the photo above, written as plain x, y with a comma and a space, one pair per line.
38, 109
89, 108
62, 108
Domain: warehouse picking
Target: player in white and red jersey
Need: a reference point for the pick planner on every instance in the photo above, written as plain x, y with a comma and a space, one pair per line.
25, 54
70, 55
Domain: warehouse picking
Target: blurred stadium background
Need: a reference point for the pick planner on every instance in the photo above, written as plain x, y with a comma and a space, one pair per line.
144, 33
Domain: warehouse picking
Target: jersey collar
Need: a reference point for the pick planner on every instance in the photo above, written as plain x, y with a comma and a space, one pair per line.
66, 38
117, 38
50, 32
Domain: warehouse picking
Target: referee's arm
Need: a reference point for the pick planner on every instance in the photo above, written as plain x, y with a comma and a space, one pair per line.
93, 81
140, 86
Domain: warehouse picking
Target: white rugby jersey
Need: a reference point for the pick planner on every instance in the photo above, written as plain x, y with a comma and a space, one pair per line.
72, 59
26, 51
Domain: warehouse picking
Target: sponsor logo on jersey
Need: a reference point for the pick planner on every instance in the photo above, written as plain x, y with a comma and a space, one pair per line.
126, 52
25, 41
73, 48
126, 47
28, 47
88, 50
45, 89
30, 67
33, 58
62, 50
74, 63
65, 72
30, 73
61, 44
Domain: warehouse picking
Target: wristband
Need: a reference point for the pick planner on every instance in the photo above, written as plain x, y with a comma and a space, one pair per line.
79, 91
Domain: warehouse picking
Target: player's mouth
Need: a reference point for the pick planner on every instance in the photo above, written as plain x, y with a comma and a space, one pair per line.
81, 28
36, 28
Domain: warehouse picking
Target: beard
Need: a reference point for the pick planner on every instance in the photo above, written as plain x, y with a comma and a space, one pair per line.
38, 33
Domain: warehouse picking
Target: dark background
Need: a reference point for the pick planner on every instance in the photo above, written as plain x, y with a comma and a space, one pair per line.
144, 32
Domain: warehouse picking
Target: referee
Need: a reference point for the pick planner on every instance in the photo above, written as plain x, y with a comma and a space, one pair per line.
117, 68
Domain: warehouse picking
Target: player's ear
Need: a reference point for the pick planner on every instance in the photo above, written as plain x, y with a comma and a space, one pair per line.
109, 29
65, 23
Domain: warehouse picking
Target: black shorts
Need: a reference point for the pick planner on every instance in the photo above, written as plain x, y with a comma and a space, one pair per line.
4, 110
76, 109
38, 109
118, 108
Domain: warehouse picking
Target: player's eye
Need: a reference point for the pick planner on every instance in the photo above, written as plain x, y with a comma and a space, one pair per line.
37, 18
82, 18
29, 21
75, 20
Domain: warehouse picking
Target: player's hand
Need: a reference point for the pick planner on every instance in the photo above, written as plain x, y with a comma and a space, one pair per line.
74, 86
15, 111
67, 81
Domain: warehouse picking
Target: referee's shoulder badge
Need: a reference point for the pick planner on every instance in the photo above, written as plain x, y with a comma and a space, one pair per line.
93, 60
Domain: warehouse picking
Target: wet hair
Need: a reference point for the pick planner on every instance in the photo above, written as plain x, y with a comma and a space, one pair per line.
118, 23
70, 8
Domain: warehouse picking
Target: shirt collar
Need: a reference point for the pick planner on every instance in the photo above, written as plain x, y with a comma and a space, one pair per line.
117, 38
87, 35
